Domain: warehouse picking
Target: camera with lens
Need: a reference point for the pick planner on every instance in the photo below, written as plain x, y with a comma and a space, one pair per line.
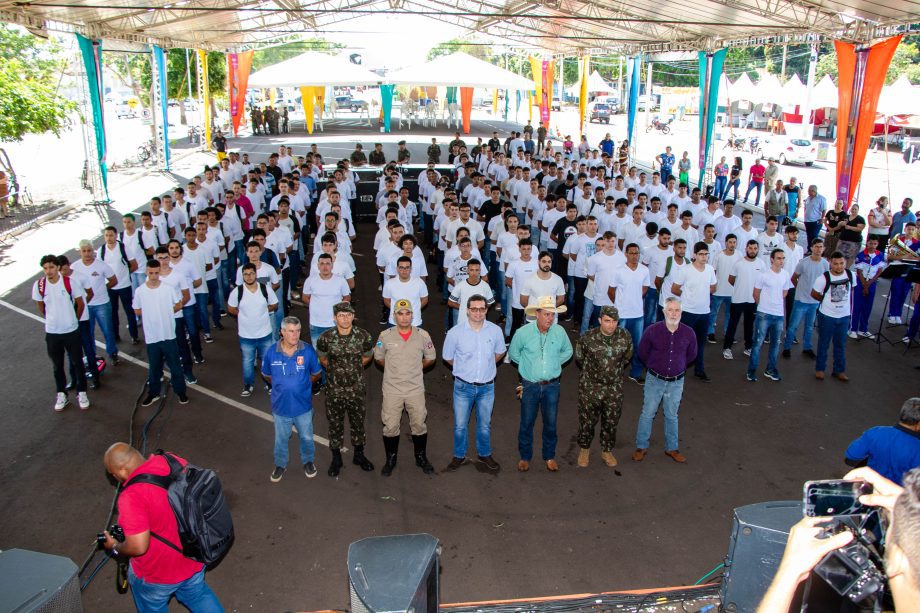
117, 533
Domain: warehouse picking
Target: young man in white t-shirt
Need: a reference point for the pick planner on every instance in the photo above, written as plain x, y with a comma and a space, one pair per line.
742, 277
517, 271
664, 277
694, 284
99, 277
723, 262
115, 254
253, 304
627, 288
61, 302
404, 287
471, 286
833, 292
321, 292
769, 240
770, 291
543, 282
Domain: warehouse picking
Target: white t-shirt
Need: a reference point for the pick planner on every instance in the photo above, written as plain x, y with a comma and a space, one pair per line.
694, 286
724, 264
96, 276
476, 232
342, 266
265, 273
253, 320
629, 284
198, 258
518, 271
631, 233
772, 285
836, 302
187, 268
419, 265
668, 279
324, 294
113, 257
794, 255
156, 306
768, 244
534, 287
462, 292
745, 272
413, 290
211, 252
725, 226
744, 236
60, 316
180, 282
655, 258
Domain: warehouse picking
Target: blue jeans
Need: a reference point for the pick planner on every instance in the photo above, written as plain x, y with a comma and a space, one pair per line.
101, 314
650, 305
763, 325
720, 187
734, 184
699, 323
138, 278
545, 398
751, 187
215, 296
715, 304
190, 315
900, 288
200, 310
586, 316
157, 354
801, 311
125, 296
88, 340
635, 326
466, 396
666, 394
251, 348
832, 329
194, 593
304, 423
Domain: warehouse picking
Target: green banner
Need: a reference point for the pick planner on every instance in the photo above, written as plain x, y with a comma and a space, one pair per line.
91, 50
711, 65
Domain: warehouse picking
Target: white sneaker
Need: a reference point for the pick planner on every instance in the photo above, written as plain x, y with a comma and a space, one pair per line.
904, 340
898, 320
60, 401
83, 400
892, 320
747, 352
868, 335
727, 354
853, 334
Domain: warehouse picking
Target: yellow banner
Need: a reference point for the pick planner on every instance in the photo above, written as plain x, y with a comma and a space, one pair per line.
206, 102
495, 102
536, 67
308, 99
584, 70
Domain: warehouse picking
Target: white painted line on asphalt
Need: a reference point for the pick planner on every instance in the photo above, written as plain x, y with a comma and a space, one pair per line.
207, 392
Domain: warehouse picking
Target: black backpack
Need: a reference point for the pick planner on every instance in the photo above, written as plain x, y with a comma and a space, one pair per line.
239, 292
121, 247
197, 499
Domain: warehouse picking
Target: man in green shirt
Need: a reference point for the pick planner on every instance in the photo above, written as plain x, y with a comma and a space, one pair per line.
540, 349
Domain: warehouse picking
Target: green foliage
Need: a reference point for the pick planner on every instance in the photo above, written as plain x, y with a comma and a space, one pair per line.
906, 61
30, 70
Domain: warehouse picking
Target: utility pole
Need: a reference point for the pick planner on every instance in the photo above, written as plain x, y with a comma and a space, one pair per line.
783, 74
620, 79
807, 126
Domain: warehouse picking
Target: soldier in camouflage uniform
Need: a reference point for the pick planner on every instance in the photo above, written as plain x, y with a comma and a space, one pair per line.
604, 356
344, 351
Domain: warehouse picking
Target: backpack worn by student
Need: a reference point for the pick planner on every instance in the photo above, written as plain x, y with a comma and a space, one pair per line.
44, 281
828, 284
197, 500
239, 292
121, 247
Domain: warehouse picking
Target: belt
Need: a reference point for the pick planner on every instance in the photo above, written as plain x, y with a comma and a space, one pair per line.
663, 378
475, 384
544, 382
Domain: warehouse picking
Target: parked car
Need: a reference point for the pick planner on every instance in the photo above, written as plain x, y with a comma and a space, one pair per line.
123, 109
347, 102
612, 101
556, 104
599, 112
786, 150
644, 102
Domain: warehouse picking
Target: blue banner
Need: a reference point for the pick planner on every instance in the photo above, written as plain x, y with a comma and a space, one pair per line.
160, 58
711, 65
386, 101
633, 70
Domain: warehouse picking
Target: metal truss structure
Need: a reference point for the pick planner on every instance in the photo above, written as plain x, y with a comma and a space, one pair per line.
552, 27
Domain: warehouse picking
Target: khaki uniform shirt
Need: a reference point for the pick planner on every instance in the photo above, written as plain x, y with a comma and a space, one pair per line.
402, 372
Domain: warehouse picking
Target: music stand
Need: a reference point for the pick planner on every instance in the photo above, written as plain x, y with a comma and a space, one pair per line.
903, 270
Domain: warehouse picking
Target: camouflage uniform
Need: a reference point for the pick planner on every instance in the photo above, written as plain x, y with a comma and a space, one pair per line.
345, 385
604, 361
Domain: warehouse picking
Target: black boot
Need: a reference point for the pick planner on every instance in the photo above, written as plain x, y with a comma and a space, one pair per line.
391, 445
361, 460
421, 460
336, 465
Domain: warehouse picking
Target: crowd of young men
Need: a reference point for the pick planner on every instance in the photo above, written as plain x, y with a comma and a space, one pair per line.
632, 266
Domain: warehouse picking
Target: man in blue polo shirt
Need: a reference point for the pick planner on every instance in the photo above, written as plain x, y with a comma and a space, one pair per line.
890, 450
291, 367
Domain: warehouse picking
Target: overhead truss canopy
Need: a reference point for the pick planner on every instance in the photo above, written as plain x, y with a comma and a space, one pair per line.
554, 26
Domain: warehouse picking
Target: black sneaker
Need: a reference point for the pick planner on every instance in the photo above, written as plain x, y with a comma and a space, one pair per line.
198, 360
218, 326
191, 380
208, 338
309, 469
489, 463
703, 377
787, 353
456, 463
711, 339
317, 388
638, 380
384, 321
247, 391
183, 399
150, 399
277, 474
809, 353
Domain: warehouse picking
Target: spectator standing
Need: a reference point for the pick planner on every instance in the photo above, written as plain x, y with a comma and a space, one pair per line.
804, 306
815, 207
832, 291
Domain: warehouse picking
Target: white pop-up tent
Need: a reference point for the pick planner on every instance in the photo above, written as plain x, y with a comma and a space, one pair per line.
768, 90
899, 98
313, 69
596, 85
742, 89
824, 95
460, 70
794, 92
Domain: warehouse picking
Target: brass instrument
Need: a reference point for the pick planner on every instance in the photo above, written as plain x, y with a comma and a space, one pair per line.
898, 248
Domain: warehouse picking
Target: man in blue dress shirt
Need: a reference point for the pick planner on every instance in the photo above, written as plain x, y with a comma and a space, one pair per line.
890, 451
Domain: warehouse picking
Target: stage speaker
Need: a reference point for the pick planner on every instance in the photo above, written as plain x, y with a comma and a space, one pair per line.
387, 574
32, 582
758, 538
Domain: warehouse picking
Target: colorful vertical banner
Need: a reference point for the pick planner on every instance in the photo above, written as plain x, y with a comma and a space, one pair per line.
633, 72
711, 65
206, 97
584, 71
159, 56
861, 76
238, 67
451, 95
529, 106
466, 107
91, 51
308, 100
494, 103
543, 84
386, 105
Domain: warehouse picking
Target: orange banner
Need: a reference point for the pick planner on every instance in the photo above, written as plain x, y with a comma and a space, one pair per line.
861, 76
238, 67
466, 107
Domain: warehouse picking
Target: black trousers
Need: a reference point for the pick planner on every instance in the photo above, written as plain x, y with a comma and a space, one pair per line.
748, 310
71, 344
581, 284
517, 320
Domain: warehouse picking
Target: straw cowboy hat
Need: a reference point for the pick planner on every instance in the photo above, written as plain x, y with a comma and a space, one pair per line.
544, 303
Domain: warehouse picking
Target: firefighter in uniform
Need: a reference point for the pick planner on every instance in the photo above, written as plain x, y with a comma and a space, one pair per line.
604, 355
344, 351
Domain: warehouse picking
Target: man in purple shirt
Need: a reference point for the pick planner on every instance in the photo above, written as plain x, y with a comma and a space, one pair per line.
667, 348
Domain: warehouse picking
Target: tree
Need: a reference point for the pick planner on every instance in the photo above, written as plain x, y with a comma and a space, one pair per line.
30, 71
906, 61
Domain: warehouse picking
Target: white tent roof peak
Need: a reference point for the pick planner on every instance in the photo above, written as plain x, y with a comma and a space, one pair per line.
824, 94
460, 70
313, 68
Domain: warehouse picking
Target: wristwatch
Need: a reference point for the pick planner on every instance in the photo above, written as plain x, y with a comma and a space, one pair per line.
115, 551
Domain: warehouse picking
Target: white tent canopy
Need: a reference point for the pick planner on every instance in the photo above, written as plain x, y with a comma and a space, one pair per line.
596, 85
824, 95
313, 68
899, 98
794, 92
742, 89
769, 89
459, 70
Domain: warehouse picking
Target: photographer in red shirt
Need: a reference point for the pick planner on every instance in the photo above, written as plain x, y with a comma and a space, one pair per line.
755, 180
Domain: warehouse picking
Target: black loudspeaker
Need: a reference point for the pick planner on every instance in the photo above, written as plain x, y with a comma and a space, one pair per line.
758, 538
32, 582
389, 574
